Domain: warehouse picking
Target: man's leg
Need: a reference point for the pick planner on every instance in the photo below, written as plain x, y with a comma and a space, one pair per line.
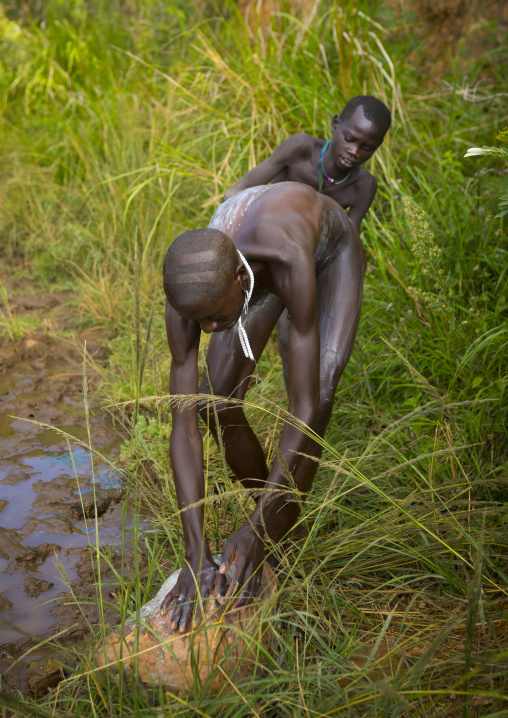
283, 334
229, 373
339, 298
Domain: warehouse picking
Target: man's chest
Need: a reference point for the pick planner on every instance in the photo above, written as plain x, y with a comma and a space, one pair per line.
304, 173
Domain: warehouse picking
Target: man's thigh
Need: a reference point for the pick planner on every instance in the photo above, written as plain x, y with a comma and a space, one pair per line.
229, 370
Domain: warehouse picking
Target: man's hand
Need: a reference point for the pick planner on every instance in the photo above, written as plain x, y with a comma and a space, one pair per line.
188, 602
247, 549
230, 193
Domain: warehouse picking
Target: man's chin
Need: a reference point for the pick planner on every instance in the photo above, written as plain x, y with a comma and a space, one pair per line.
224, 329
346, 165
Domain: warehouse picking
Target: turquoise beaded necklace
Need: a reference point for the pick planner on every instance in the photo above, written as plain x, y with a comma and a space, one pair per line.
322, 171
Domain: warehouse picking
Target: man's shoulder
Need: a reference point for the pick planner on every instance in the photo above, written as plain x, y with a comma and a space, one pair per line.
301, 145
365, 180
359, 195
306, 139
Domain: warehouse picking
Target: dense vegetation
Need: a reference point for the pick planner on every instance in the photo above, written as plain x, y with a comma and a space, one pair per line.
123, 124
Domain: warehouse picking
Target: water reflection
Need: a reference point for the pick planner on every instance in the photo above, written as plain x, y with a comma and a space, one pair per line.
39, 522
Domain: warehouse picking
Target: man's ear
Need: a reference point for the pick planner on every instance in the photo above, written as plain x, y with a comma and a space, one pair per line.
382, 139
335, 123
242, 277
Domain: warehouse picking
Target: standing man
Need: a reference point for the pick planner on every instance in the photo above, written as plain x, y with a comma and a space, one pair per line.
332, 167
266, 249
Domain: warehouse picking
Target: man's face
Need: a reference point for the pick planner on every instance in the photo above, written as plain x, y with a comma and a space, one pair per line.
354, 140
220, 314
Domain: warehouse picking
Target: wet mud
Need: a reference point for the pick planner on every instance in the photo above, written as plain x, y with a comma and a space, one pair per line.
54, 505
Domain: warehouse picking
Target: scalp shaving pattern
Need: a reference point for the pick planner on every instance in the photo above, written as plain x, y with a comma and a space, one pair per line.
197, 266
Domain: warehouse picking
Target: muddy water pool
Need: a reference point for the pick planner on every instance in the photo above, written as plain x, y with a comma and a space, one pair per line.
41, 516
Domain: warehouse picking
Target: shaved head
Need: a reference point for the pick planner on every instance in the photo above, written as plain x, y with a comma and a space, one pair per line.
199, 266
374, 110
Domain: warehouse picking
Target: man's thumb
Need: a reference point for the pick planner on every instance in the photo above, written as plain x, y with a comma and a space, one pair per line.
227, 559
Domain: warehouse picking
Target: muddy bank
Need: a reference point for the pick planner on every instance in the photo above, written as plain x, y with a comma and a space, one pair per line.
33, 664
54, 502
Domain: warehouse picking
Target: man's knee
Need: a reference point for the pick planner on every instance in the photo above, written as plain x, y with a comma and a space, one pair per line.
217, 383
209, 409
222, 411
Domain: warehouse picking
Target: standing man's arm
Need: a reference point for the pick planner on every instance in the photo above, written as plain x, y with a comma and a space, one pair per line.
266, 171
200, 573
365, 198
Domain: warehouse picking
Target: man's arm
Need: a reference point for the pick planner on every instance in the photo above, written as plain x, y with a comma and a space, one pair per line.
186, 455
366, 195
296, 285
303, 371
278, 162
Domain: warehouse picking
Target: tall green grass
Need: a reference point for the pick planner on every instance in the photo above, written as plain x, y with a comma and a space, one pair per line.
123, 126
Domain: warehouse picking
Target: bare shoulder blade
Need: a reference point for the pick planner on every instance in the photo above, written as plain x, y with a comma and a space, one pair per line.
230, 214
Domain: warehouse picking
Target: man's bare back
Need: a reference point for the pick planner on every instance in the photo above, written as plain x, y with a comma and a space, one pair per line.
320, 229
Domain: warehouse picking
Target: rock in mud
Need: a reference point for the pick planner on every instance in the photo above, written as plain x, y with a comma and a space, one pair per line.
35, 586
5, 604
33, 556
15, 477
10, 544
225, 648
91, 504
41, 678
3, 504
38, 301
54, 525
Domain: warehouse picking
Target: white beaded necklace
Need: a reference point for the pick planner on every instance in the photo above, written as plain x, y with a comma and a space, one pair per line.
244, 340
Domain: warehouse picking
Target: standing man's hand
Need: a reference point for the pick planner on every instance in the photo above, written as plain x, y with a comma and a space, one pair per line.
247, 549
230, 193
192, 589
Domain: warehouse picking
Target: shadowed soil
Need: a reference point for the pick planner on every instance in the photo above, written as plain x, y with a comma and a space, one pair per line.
46, 524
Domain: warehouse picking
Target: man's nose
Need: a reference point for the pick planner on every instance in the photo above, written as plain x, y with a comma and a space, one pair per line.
208, 326
354, 150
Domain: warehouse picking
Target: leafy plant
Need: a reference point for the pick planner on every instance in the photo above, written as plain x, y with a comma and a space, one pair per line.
14, 326
496, 152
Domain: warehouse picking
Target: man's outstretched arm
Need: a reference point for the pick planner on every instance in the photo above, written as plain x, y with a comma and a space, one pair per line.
364, 200
266, 171
199, 575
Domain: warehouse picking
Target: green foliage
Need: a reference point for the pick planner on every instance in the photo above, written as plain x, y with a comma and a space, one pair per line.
428, 256
13, 326
499, 152
149, 438
124, 123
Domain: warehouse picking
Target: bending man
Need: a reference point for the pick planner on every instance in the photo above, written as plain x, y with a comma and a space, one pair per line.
282, 246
